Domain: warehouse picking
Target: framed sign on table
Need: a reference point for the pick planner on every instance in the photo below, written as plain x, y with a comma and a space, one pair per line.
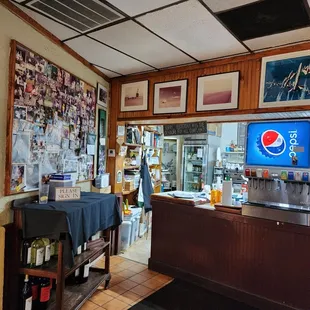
285, 80
51, 114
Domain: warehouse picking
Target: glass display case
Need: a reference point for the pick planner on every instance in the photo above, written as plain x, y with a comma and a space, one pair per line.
194, 167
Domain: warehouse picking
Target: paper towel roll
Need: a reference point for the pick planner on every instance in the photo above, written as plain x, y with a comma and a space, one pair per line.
227, 193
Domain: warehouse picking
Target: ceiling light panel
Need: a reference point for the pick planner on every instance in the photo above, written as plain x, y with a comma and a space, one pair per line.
108, 73
106, 57
60, 31
136, 41
284, 38
135, 7
223, 5
82, 15
192, 28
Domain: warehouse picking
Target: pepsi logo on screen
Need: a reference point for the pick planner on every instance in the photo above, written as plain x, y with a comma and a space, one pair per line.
278, 144
271, 143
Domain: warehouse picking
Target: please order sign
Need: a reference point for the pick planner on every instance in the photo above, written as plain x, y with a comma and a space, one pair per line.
67, 193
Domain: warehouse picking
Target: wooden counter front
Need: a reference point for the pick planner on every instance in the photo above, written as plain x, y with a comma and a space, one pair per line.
261, 262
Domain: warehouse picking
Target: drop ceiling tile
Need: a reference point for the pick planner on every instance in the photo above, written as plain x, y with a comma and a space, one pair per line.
108, 73
223, 5
264, 18
135, 7
278, 39
192, 28
136, 41
106, 57
60, 31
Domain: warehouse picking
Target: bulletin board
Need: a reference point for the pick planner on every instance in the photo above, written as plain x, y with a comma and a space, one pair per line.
51, 122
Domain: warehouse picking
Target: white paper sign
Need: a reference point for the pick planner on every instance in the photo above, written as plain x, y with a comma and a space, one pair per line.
67, 193
199, 153
120, 131
102, 141
90, 149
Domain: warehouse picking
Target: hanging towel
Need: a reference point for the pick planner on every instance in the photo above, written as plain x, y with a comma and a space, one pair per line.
147, 187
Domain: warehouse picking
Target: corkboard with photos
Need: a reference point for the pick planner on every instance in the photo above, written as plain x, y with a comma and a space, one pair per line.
51, 122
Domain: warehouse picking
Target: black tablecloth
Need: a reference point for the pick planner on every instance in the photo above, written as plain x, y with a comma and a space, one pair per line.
80, 219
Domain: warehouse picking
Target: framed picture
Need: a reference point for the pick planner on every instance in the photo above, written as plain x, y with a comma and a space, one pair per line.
218, 92
134, 96
102, 96
285, 80
170, 97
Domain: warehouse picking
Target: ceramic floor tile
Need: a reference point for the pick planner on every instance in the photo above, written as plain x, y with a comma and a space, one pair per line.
115, 291
141, 290
138, 278
126, 273
129, 297
100, 298
116, 304
148, 273
138, 268
152, 284
115, 279
127, 284
162, 278
89, 306
126, 264
116, 269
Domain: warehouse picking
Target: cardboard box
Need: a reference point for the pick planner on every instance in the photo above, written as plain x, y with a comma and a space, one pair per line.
104, 190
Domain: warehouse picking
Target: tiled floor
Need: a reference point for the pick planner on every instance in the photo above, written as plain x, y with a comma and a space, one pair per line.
140, 251
131, 282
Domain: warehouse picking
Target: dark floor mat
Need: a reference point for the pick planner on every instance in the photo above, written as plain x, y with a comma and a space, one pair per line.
181, 295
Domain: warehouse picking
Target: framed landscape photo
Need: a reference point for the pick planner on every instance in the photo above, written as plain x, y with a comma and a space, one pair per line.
170, 97
102, 96
218, 92
285, 80
134, 96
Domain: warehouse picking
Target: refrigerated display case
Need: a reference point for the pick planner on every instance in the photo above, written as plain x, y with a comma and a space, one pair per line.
194, 167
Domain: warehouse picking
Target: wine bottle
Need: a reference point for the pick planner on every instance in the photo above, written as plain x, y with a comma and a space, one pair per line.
26, 253
47, 251
85, 247
77, 276
37, 253
45, 293
56, 247
35, 282
84, 273
26, 296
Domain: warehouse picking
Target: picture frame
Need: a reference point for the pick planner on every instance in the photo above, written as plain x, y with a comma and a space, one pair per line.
170, 97
284, 80
218, 92
102, 96
134, 96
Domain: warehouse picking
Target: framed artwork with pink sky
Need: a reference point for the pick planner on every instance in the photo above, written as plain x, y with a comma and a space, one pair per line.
170, 97
218, 92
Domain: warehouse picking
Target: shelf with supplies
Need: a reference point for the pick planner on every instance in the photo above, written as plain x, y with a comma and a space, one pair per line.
133, 144
237, 152
75, 295
94, 249
129, 192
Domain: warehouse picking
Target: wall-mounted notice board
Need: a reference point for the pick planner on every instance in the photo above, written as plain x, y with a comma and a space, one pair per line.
51, 122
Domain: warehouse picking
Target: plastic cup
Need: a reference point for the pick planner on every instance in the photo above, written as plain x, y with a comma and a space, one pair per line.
43, 193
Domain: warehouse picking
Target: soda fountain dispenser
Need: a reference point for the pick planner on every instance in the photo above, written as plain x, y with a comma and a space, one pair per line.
277, 164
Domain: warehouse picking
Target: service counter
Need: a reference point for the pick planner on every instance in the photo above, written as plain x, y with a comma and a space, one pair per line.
264, 263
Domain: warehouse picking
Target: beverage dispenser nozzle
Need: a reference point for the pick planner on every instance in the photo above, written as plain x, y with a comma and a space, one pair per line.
269, 185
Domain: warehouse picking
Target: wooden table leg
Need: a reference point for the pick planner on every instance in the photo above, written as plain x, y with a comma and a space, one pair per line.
107, 258
60, 277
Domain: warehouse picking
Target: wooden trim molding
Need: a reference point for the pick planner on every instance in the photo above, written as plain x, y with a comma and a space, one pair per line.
19, 13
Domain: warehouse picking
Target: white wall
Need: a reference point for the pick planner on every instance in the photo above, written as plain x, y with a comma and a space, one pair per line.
229, 133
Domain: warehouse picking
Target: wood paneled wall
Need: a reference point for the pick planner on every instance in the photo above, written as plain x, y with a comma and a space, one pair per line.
248, 65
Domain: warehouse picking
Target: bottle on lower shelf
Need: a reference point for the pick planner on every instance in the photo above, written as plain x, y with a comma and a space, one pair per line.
84, 272
37, 253
47, 251
25, 255
26, 295
35, 282
45, 293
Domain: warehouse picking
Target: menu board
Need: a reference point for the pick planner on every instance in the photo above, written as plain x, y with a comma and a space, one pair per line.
51, 122
185, 129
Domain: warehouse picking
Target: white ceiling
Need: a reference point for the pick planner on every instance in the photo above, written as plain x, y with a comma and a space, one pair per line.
150, 35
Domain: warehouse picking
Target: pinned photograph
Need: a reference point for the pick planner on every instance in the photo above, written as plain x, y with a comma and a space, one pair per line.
170, 97
32, 177
21, 148
134, 96
20, 112
18, 178
218, 92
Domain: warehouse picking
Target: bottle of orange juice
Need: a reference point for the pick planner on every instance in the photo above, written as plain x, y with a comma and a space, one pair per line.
214, 195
